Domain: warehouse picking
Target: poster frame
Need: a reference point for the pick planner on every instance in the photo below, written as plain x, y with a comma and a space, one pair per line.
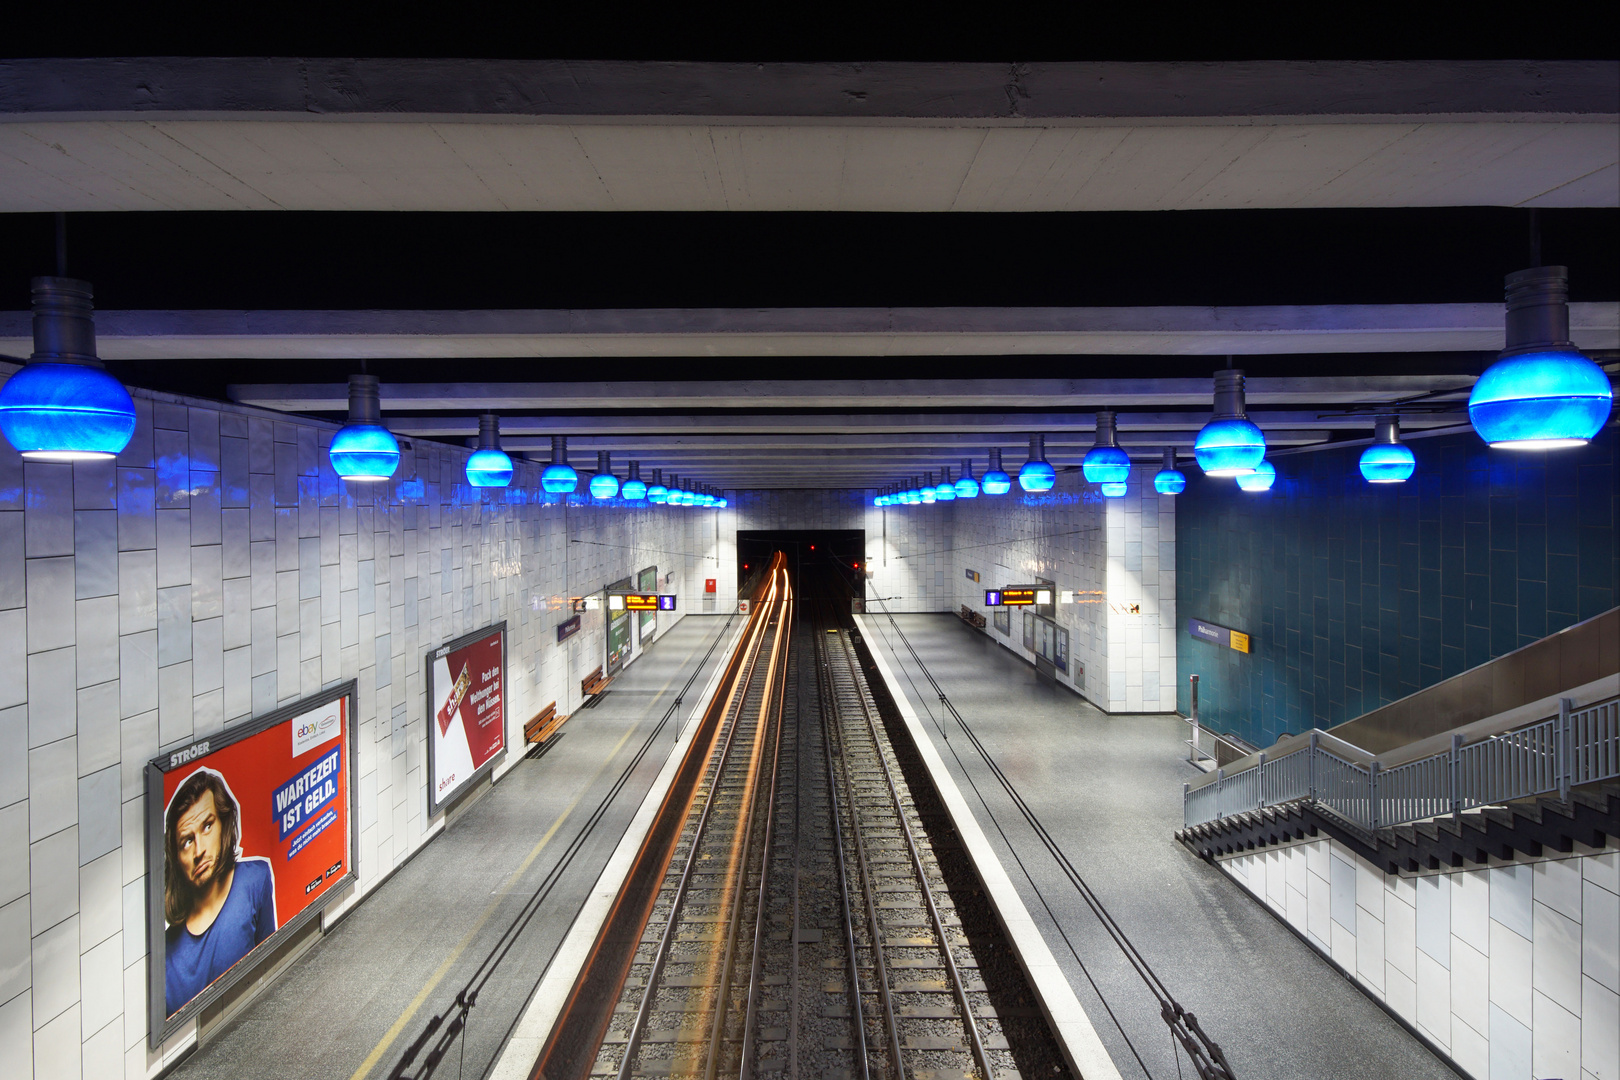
437, 806
160, 1027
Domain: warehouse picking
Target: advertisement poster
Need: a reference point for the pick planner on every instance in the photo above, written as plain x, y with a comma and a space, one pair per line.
647, 582
250, 832
466, 712
618, 642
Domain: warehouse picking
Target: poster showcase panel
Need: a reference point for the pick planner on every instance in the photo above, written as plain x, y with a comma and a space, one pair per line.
249, 834
466, 711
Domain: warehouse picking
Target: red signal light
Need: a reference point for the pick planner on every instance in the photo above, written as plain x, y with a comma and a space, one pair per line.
856, 565
812, 547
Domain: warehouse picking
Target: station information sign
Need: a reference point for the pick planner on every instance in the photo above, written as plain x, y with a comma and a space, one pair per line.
641, 602
1017, 596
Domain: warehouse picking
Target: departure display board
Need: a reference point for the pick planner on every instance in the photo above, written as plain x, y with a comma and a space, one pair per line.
641, 602
1017, 596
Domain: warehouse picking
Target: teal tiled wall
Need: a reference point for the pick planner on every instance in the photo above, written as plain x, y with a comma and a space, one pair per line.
1357, 594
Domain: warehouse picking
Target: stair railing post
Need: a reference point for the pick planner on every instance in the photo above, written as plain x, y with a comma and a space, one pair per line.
1372, 796
1561, 748
1196, 751
1311, 764
1260, 781
1184, 814
1220, 789
1456, 776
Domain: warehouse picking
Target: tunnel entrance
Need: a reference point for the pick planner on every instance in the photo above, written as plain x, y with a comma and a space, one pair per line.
842, 551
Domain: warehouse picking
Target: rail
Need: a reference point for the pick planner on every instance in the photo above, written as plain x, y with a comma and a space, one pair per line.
1578, 746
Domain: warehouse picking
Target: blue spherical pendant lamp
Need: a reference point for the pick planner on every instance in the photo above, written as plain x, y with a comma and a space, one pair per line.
966, 486
1169, 480
1542, 394
604, 485
928, 493
489, 466
1229, 445
1037, 475
559, 478
63, 406
362, 449
946, 491
1113, 489
634, 489
1260, 478
995, 481
1387, 460
657, 493
1105, 462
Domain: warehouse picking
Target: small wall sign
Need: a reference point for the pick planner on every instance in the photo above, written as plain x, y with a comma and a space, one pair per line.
567, 628
1218, 635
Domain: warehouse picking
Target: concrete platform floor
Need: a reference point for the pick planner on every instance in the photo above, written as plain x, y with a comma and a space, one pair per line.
1109, 790
351, 1004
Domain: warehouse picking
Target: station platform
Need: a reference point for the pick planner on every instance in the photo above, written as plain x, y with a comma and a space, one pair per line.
1109, 790
350, 1005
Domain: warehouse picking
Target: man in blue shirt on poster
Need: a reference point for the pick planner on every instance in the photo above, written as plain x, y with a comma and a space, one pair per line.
218, 905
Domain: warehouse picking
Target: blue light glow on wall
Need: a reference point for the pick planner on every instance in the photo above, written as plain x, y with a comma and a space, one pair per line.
1358, 594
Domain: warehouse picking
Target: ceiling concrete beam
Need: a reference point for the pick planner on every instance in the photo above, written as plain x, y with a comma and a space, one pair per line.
769, 332
335, 88
298, 134
757, 395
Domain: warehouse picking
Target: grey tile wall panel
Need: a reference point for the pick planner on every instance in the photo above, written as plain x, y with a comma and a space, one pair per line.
174, 703
53, 879
233, 425
309, 629
13, 662
203, 443
207, 654
234, 550
137, 513
238, 608
207, 598
264, 692
287, 665
138, 742
233, 472
100, 826
51, 688
264, 640
13, 754
169, 416
134, 849
138, 454
13, 588
95, 485
16, 965
49, 517
174, 624
286, 474
208, 712
309, 568
56, 976
264, 573
50, 603
173, 547
12, 483
14, 849
137, 591
288, 593
133, 895
95, 534
205, 508
137, 672
261, 506
98, 736
173, 481
101, 901
261, 444
237, 677
101, 1002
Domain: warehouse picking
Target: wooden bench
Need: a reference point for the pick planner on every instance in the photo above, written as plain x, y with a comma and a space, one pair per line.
594, 683
971, 617
544, 725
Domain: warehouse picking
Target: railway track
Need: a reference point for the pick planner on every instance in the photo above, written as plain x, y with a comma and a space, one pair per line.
791, 918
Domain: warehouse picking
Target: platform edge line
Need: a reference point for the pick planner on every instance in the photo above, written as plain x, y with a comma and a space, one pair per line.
518, 1056
1073, 1029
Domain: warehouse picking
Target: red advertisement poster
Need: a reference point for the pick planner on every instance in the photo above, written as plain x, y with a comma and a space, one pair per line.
250, 831
467, 711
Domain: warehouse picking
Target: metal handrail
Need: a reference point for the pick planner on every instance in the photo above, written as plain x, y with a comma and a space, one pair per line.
1578, 746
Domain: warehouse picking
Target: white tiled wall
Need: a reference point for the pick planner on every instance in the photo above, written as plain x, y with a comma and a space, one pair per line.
216, 570
1512, 970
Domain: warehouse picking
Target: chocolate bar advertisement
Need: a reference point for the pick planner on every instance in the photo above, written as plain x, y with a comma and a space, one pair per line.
466, 712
